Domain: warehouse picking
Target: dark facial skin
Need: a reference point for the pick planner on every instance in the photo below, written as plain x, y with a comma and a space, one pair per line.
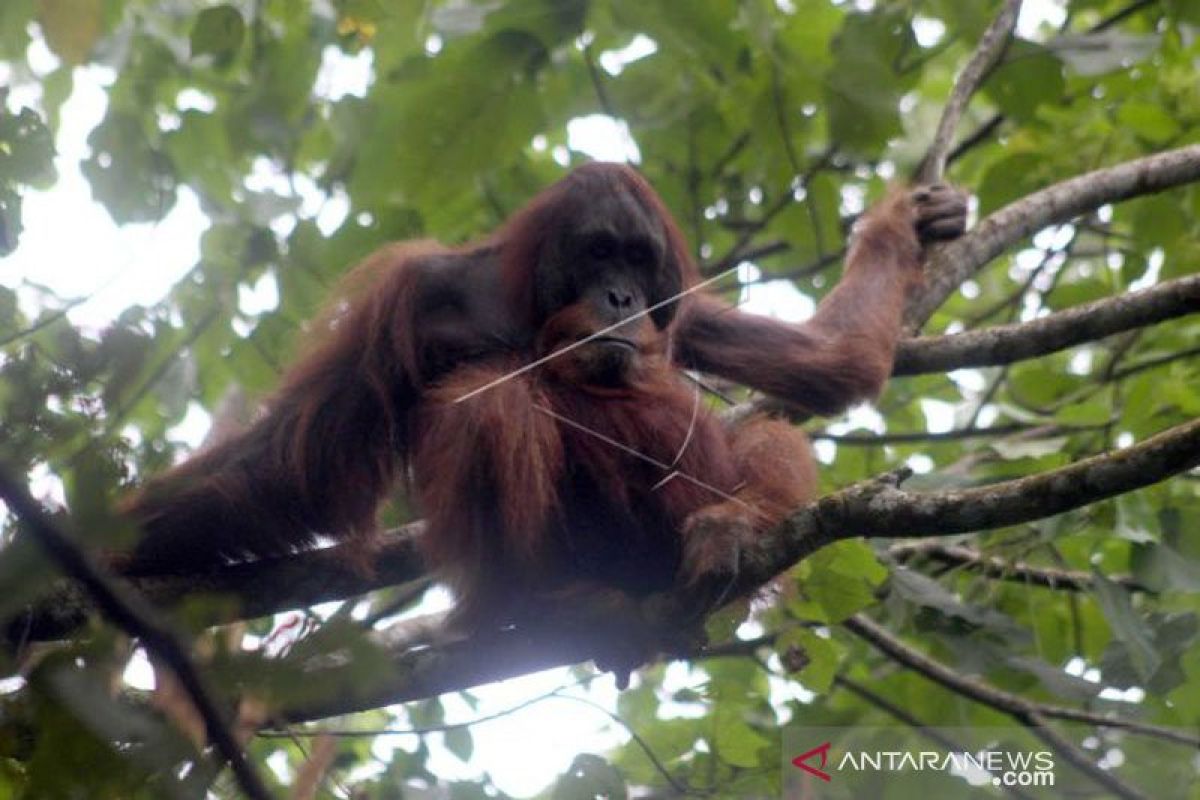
613, 269
618, 271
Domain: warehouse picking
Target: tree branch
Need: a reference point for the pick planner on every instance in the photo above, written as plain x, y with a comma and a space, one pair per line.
986, 129
138, 620
875, 508
568, 634
1005, 344
952, 263
1020, 430
996, 567
260, 587
901, 715
1029, 713
879, 508
990, 47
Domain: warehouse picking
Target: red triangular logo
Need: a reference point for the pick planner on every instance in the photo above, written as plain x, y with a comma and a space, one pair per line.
823, 752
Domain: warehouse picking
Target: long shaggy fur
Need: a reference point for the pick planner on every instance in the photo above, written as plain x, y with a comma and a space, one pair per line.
547, 479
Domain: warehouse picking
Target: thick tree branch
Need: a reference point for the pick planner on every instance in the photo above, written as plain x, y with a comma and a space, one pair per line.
131, 614
1005, 344
879, 508
569, 634
259, 587
948, 265
876, 508
951, 264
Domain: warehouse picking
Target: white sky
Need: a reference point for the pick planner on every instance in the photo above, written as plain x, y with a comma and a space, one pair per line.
71, 246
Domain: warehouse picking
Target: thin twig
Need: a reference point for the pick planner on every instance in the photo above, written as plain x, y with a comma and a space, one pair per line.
43, 322
1122, 15
659, 767
996, 567
598, 83
895, 711
424, 730
991, 45
1028, 713
988, 127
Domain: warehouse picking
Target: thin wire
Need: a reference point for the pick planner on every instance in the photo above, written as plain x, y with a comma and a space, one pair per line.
540, 361
691, 428
648, 459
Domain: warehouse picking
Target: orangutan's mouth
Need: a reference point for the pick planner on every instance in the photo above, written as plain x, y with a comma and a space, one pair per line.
611, 341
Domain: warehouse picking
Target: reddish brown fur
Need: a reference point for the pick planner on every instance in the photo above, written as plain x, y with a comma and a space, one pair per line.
598, 468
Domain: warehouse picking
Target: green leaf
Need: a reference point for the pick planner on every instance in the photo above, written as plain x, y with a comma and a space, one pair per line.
1163, 567
25, 571
9, 318
925, 591
479, 105
11, 225
1127, 627
1149, 121
862, 89
1030, 76
1095, 412
460, 742
202, 147
56, 90
278, 105
1136, 519
1171, 636
552, 21
1185, 10
839, 580
1055, 679
813, 226
71, 27
217, 32
807, 37
395, 30
736, 742
1158, 221
700, 32
458, 18
1010, 178
15, 16
1040, 382
722, 626
590, 777
26, 157
26, 148
132, 178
